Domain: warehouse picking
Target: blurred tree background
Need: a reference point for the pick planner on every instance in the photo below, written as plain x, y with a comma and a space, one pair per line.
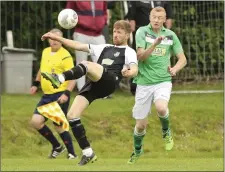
198, 24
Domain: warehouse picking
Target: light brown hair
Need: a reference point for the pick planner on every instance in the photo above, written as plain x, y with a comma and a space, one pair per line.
158, 9
123, 24
54, 30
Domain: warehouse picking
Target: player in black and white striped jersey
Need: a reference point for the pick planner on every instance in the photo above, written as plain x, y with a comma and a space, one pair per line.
113, 63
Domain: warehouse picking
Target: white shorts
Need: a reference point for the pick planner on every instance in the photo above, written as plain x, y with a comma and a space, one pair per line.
148, 94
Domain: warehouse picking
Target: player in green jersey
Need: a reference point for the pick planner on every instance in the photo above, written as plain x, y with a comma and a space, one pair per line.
155, 45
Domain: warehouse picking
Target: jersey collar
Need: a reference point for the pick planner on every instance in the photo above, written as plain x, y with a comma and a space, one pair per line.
121, 46
162, 28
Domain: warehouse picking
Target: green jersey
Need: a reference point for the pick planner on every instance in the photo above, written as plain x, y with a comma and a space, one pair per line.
154, 69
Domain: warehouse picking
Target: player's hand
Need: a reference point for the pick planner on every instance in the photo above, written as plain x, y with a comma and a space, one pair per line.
125, 71
48, 35
62, 99
33, 90
172, 71
158, 40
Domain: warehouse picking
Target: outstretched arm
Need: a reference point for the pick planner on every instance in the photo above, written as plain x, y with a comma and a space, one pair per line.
66, 42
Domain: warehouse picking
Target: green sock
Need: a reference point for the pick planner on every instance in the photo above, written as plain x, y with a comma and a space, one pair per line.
165, 123
138, 141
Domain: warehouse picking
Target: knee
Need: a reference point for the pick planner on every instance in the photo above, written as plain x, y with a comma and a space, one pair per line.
70, 115
59, 129
140, 127
73, 113
162, 110
37, 121
161, 107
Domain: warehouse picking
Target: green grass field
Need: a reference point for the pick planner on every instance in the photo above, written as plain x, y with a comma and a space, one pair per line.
108, 164
197, 126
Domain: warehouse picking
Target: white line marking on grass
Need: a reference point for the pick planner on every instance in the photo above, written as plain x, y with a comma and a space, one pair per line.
197, 91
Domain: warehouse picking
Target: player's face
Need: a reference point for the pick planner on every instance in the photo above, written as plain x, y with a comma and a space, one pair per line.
120, 37
55, 45
157, 19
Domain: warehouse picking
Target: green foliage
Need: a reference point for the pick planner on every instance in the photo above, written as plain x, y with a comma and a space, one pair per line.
198, 24
117, 14
29, 20
200, 29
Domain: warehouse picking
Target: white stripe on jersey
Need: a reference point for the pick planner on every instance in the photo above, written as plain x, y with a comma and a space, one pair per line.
130, 54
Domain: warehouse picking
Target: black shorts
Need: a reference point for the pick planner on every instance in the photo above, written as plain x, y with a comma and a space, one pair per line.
100, 89
48, 98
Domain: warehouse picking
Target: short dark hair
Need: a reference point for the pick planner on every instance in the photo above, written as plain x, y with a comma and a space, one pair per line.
123, 24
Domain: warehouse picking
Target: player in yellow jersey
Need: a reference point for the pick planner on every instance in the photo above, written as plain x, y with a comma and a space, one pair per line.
55, 59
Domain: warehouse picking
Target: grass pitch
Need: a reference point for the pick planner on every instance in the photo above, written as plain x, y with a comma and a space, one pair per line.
108, 164
197, 122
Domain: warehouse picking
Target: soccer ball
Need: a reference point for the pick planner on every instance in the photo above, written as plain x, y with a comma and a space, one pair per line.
67, 18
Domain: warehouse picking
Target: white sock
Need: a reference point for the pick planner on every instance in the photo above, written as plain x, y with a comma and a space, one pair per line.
87, 152
61, 78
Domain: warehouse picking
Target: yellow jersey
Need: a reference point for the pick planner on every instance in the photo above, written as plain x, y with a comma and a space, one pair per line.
55, 62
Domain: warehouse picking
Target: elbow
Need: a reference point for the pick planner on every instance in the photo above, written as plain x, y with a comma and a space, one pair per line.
140, 58
139, 55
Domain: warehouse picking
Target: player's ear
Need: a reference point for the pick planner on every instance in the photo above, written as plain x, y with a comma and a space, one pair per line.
127, 36
164, 19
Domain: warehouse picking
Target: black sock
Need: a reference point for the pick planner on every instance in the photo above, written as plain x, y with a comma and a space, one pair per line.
47, 133
79, 133
67, 141
76, 72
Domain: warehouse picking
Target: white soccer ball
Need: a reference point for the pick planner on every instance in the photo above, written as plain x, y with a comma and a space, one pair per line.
67, 18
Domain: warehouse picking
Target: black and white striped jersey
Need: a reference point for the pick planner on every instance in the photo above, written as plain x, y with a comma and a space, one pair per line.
112, 57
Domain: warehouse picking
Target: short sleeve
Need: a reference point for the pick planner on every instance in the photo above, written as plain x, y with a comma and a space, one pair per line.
96, 50
67, 62
140, 38
130, 56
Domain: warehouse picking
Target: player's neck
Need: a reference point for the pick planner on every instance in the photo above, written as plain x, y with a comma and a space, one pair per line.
54, 49
122, 44
156, 30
